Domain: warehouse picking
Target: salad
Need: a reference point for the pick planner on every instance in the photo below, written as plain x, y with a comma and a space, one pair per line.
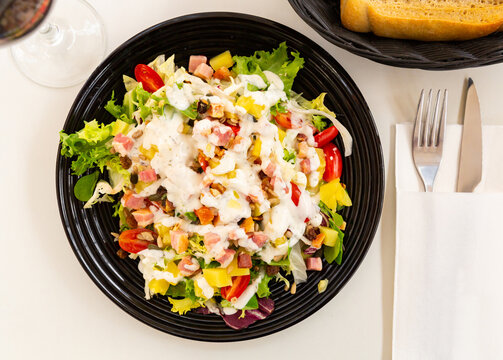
224, 180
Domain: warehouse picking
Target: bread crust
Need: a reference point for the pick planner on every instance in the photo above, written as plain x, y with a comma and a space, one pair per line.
362, 16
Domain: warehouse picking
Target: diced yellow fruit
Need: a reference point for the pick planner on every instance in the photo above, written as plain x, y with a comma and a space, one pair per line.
249, 105
234, 270
282, 134
140, 185
173, 269
256, 148
163, 233
233, 204
256, 211
198, 291
119, 126
158, 286
213, 163
217, 277
150, 153
279, 241
323, 163
222, 60
331, 236
231, 174
333, 193
248, 225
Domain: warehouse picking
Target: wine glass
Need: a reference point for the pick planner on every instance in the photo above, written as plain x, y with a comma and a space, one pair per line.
68, 45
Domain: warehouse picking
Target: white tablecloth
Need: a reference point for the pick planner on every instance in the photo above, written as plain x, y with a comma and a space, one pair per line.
49, 307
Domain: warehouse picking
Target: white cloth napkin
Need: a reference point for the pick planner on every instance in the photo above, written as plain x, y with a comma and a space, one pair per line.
449, 256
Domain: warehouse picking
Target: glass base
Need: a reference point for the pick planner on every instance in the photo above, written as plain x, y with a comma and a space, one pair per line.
67, 48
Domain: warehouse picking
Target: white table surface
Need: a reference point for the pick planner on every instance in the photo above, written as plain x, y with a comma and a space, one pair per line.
50, 308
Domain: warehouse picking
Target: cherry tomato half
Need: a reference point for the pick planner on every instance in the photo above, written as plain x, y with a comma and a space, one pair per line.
284, 120
202, 161
128, 240
239, 284
295, 193
333, 158
150, 80
326, 136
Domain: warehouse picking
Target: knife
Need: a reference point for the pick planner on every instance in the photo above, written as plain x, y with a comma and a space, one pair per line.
470, 160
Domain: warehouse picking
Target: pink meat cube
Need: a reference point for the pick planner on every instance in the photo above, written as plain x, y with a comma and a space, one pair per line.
188, 266
225, 257
314, 263
270, 169
220, 135
179, 240
244, 261
195, 61
122, 143
133, 201
259, 239
210, 240
204, 71
148, 175
143, 217
305, 166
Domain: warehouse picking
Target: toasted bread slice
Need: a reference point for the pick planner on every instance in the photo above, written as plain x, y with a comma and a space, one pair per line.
427, 20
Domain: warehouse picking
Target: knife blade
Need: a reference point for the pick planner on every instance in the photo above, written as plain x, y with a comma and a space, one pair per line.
470, 159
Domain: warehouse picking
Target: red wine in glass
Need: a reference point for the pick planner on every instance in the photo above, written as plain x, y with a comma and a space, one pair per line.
20, 17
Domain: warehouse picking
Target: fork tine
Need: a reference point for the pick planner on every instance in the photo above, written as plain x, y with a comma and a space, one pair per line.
427, 121
418, 121
436, 121
443, 119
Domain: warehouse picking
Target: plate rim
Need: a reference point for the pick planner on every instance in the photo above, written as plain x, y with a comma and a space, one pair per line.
74, 241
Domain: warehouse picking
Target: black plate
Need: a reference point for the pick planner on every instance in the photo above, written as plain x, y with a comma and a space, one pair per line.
211, 33
324, 17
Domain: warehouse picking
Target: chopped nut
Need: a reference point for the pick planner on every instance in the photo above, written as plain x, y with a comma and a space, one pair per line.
219, 187
159, 242
143, 157
215, 192
216, 110
122, 253
293, 289
274, 201
137, 134
115, 235
301, 137
145, 235
125, 162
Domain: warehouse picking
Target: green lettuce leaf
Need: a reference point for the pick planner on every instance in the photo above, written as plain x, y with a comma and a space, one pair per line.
263, 287
276, 61
84, 187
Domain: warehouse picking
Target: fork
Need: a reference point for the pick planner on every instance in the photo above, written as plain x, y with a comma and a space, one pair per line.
428, 138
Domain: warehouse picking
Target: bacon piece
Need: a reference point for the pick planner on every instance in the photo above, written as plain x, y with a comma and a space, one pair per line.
148, 175
225, 257
133, 201
244, 261
143, 217
259, 239
314, 263
122, 143
179, 240
305, 166
210, 240
303, 149
204, 71
188, 266
221, 135
195, 61
269, 169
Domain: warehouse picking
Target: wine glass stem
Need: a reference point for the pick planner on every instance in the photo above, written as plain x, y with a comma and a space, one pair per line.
50, 33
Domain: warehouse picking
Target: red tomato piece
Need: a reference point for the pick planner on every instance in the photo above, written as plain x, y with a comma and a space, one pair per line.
235, 128
150, 80
326, 136
239, 285
295, 193
284, 120
333, 158
202, 161
128, 240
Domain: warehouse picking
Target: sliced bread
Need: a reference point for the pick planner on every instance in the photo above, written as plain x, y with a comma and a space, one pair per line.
427, 20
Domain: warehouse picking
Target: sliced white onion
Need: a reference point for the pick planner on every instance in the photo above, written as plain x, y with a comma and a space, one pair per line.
298, 265
101, 193
347, 140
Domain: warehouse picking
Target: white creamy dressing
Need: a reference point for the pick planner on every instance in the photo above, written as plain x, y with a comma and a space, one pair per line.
188, 190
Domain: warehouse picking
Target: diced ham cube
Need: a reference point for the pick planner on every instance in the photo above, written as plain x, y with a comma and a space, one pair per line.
122, 143
259, 239
244, 261
210, 240
237, 234
216, 110
148, 175
303, 149
179, 240
143, 217
269, 169
188, 266
195, 61
305, 166
204, 71
221, 135
225, 257
133, 201
314, 263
